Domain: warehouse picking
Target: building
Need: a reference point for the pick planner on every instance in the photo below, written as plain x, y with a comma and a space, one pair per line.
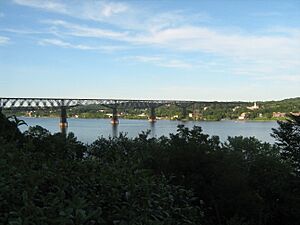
142, 115
235, 108
175, 117
254, 107
278, 114
296, 114
243, 116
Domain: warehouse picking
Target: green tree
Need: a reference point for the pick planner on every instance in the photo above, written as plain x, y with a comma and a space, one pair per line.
288, 139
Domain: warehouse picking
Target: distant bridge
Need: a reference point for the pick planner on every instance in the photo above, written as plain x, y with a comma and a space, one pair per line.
114, 104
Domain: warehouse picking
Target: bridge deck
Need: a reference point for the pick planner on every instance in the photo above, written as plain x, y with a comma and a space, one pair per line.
69, 102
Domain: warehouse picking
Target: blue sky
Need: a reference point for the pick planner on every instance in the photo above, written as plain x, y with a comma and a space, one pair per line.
186, 50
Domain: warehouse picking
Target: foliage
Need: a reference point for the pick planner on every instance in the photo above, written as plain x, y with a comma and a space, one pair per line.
242, 178
186, 178
53, 179
288, 139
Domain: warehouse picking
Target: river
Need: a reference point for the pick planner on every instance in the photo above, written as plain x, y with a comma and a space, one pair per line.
88, 130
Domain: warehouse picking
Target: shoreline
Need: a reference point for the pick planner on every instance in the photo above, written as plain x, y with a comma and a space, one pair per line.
248, 120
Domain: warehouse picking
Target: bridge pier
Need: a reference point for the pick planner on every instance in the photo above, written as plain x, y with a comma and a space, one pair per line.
184, 113
184, 106
152, 117
63, 118
194, 114
114, 119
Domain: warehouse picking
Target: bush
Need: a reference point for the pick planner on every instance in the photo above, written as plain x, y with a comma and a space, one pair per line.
187, 178
53, 179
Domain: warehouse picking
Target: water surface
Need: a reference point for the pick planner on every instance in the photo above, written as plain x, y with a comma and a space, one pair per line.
88, 130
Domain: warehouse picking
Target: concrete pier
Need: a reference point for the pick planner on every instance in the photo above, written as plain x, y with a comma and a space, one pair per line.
63, 117
152, 117
184, 106
114, 119
184, 113
63, 124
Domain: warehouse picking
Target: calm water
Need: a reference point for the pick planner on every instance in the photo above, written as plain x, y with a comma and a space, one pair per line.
88, 130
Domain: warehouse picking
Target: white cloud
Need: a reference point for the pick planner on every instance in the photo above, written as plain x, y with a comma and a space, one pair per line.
295, 78
88, 9
116, 13
249, 55
112, 8
60, 43
160, 61
273, 52
202, 39
198, 39
280, 50
266, 14
24, 31
172, 19
84, 31
4, 40
48, 5
144, 58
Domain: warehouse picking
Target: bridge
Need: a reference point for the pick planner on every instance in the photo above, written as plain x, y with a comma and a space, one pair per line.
114, 104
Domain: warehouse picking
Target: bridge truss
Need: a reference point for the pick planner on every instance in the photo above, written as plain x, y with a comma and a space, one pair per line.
24, 103
114, 104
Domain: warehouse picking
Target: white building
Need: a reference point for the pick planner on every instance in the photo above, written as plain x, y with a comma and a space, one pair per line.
255, 106
242, 116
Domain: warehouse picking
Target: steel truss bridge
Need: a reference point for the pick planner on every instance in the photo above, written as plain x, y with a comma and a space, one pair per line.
59, 102
114, 104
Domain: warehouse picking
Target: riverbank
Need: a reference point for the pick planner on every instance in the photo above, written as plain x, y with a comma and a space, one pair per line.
164, 118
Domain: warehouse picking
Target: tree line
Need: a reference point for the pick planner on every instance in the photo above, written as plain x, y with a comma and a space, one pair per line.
186, 178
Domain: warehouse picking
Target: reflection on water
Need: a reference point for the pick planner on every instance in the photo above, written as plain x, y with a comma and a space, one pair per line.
63, 130
152, 129
114, 130
88, 130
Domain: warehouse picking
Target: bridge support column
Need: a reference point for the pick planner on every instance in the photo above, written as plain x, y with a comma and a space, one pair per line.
184, 113
114, 119
152, 117
63, 118
184, 106
194, 113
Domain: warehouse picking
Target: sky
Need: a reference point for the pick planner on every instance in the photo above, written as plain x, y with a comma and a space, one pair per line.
204, 50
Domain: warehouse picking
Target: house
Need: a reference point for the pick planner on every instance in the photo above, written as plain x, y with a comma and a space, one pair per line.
296, 114
175, 117
242, 116
278, 114
142, 115
235, 108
